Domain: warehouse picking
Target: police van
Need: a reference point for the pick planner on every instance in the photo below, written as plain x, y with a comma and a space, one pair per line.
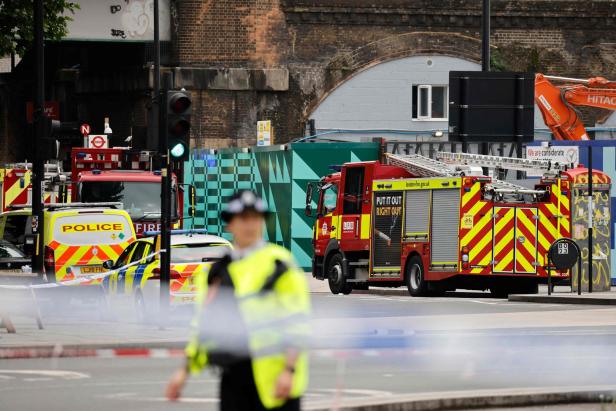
80, 237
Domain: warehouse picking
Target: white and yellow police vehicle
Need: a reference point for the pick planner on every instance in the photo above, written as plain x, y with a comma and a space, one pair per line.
79, 238
192, 254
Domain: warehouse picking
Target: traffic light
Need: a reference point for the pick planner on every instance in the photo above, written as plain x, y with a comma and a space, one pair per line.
178, 111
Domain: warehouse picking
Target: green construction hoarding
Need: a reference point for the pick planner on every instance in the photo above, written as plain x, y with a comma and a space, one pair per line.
279, 174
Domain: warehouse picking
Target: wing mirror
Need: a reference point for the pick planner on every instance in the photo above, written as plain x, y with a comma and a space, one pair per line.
108, 265
309, 190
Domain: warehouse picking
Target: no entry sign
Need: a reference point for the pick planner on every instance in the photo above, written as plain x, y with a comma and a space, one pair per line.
85, 129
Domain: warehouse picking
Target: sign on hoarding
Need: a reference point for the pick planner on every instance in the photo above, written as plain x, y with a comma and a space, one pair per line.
113, 20
264, 133
557, 154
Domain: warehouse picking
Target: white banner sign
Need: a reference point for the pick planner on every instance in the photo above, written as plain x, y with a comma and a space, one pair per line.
118, 20
569, 155
264, 133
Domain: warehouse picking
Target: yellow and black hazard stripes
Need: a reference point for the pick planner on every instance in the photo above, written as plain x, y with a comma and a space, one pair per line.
554, 220
503, 243
526, 241
476, 229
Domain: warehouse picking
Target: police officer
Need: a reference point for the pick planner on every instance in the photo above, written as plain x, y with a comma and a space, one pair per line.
252, 319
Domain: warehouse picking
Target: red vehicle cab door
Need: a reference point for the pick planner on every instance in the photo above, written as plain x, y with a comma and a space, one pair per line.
355, 199
325, 228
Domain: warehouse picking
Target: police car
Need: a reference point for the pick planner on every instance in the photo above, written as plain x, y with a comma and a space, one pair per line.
192, 254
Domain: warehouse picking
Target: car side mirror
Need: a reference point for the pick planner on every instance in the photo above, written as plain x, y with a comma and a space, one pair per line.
308, 210
108, 265
29, 244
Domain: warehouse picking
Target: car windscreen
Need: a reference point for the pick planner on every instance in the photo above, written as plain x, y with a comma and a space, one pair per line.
200, 252
92, 229
140, 199
15, 228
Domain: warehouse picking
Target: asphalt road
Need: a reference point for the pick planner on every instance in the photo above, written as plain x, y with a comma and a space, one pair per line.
513, 350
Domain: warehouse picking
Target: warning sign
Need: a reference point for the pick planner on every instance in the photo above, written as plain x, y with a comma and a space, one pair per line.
467, 221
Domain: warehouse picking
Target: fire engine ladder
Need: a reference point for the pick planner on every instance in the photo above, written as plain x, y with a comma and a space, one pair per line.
420, 166
510, 163
426, 167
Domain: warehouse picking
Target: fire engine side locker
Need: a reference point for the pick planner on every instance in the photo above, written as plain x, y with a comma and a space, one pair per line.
445, 226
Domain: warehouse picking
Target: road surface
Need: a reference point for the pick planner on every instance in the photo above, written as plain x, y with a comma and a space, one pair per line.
461, 343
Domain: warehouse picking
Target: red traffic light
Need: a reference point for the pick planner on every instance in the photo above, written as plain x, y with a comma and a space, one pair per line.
179, 128
179, 103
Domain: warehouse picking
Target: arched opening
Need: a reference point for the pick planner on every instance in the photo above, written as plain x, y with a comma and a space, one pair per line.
405, 97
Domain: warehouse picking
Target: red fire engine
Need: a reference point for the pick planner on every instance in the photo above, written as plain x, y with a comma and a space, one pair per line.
122, 175
437, 226
100, 175
17, 188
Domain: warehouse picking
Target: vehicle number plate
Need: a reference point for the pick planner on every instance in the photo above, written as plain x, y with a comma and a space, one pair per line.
94, 269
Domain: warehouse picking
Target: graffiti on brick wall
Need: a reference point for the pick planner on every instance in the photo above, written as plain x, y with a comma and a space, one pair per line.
601, 237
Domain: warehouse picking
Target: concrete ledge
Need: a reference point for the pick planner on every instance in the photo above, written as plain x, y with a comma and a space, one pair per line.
234, 79
584, 299
461, 400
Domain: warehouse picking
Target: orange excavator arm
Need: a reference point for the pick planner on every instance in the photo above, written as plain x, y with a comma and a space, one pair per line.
557, 103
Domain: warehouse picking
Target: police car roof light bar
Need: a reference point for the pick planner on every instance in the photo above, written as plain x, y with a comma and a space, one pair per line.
83, 205
189, 232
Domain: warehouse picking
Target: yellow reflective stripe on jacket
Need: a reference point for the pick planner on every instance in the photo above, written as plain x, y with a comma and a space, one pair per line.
196, 355
289, 299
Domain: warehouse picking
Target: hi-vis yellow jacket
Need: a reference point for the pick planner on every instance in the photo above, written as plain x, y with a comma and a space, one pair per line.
276, 321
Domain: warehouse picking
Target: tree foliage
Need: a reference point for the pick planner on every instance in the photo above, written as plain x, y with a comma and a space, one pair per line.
17, 21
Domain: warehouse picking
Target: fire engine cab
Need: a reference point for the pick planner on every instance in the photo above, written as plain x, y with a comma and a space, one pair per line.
123, 175
440, 225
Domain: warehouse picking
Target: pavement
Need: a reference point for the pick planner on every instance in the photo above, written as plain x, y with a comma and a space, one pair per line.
595, 298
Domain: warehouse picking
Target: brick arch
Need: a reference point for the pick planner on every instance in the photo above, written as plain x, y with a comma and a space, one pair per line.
345, 65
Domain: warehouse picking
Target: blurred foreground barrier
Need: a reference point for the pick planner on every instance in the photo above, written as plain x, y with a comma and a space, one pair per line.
15, 293
21, 300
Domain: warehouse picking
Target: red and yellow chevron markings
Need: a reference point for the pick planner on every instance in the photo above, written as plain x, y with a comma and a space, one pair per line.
476, 229
76, 255
554, 219
526, 240
504, 237
15, 187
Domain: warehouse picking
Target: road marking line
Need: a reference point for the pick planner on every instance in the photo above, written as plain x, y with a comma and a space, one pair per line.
66, 375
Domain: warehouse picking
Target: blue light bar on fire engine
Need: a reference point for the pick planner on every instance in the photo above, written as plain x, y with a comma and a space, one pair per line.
189, 232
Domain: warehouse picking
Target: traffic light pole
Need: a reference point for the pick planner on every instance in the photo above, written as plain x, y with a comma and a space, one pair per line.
165, 199
38, 168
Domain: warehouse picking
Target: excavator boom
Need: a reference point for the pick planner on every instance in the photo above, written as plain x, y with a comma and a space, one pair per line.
557, 103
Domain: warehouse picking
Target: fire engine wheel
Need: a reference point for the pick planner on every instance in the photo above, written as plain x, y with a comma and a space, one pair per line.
414, 278
335, 276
